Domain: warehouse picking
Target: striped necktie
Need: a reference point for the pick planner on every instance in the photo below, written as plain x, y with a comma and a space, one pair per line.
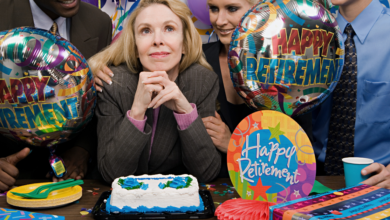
54, 28
342, 121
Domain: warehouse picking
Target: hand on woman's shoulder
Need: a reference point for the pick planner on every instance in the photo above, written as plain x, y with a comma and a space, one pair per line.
122, 78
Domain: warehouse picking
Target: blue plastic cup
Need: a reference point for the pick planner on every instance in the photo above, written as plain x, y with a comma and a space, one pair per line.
352, 169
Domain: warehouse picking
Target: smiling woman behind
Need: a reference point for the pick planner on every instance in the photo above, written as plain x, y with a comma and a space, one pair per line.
150, 120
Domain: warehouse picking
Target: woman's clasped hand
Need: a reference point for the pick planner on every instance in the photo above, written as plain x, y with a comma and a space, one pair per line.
156, 89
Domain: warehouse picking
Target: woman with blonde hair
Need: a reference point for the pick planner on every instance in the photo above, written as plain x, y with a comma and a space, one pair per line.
150, 119
225, 15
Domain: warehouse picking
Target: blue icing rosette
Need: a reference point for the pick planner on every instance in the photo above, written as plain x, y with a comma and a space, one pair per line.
132, 183
177, 183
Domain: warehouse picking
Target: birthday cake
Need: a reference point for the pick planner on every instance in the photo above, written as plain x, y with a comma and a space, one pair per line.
155, 193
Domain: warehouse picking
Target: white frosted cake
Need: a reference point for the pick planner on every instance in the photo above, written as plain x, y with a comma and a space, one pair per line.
155, 193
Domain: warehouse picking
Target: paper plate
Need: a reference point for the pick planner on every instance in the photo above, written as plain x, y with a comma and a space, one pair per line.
270, 158
55, 198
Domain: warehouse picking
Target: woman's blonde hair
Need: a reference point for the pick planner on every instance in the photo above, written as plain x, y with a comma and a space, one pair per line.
124, 49
253, 2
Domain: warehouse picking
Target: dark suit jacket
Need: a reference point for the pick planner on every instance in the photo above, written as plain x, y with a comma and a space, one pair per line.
232, 115
90, 32
124, 150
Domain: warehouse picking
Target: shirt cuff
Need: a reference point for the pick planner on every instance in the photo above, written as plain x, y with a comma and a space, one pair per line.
185, 120
140, 124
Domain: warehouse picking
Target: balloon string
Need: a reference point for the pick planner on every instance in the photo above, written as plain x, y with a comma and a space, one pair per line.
211, 36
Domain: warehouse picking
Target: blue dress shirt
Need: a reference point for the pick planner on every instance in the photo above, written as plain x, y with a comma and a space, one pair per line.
372, 125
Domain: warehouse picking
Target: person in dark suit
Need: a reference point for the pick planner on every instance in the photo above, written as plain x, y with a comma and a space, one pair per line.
150, 121
225, 15
90, 30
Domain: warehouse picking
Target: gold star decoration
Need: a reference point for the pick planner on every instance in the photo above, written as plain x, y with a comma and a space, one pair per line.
276, 132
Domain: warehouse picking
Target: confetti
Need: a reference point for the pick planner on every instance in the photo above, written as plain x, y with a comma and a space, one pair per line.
89, 191
224, 184
84, 213
83, 209
96, 189
212, 189
335, 212
338, 193
216, 192
217, 203
95, 193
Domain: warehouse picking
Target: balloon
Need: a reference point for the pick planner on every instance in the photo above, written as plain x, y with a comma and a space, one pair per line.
326, 3
286, 56
47, 92
200, 10
116, 37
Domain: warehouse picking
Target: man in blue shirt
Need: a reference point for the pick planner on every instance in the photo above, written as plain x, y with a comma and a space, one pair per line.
370, 22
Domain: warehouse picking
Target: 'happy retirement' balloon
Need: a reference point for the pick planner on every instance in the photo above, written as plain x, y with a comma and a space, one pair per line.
46, 88
286, 56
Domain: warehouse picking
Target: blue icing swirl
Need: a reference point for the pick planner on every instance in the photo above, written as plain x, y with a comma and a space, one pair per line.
157, 178
161, 185
130, 182
143, 209
178, 182
145, 186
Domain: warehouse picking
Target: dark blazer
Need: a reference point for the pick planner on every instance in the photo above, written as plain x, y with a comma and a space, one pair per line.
124, 150
90, 32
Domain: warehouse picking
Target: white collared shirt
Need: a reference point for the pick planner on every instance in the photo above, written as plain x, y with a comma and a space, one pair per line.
43, 21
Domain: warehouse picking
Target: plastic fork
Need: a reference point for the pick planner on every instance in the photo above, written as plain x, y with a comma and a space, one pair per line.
44, 195
39, 189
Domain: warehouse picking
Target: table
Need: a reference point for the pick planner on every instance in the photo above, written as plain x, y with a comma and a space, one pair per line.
88, 200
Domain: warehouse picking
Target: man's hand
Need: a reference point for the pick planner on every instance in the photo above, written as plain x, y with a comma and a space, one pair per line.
76, 164
103, 75
380, 177
8, 170
218, 131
